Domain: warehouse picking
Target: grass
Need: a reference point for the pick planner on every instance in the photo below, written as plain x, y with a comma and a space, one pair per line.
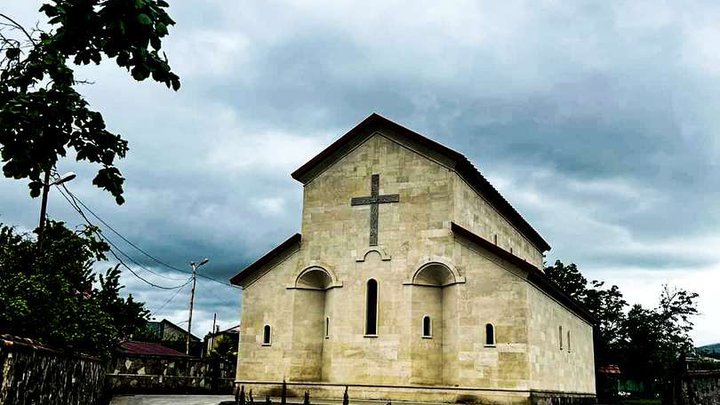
640, 402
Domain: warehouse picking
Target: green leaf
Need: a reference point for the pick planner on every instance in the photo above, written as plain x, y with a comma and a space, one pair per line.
12, 53
161, 29
144, 19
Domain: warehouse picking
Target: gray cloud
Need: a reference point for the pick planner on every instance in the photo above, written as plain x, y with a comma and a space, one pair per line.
598, 121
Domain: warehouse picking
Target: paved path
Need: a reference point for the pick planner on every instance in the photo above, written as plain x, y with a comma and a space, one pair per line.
170, 399
218, 399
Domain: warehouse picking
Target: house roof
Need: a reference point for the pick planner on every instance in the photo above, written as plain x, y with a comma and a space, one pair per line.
535, 275
248, 271
235, 330
158, 327
461, 165
148, 349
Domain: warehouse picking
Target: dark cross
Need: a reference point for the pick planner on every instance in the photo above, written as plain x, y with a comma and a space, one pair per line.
374, 199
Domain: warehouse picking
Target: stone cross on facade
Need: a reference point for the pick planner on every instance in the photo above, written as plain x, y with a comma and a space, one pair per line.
374, 200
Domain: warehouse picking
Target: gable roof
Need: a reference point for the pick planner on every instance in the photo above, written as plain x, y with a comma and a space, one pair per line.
254, 267
535, 275
460, 164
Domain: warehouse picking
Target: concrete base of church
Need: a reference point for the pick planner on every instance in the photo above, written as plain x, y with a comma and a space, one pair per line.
414, 393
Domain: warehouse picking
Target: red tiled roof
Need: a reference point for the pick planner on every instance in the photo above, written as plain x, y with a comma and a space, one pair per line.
148, 349
610, 369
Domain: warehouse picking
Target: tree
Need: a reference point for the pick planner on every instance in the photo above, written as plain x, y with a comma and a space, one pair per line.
646, 343
568, 278
224, 349
54, 296
607, 305
654, 339
42, 116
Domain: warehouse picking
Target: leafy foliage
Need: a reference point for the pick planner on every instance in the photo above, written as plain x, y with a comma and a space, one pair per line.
42, 116
224, 349
53, 295
655, 338
606, 304
646, 343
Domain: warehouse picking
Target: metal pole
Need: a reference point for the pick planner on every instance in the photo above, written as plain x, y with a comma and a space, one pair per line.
192, 298
43, 206
212, 334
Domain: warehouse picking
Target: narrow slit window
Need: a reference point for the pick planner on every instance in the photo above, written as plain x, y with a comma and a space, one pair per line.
327, 327
371, 308
495, 239
426, 327
489, 335
568, 342
561, 336
267, 335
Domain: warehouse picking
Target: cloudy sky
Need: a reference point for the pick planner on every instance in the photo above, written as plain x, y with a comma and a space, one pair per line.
598, 121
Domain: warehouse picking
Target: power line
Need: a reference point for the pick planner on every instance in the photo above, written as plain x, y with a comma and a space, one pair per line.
110, 242
124, 238
171, 298
82, 214
79, 202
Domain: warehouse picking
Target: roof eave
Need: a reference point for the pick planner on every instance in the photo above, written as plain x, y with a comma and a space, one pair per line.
248, 271
463, 166
535, 275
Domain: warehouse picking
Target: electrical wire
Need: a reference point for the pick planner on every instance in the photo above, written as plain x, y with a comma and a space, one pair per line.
79, 203
82, 214
171, 298
110, 242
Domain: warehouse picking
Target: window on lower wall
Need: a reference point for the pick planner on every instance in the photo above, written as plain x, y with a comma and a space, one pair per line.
568, 342
426, 327
371, 308
327, 327
489, 335
267, 335
560, 336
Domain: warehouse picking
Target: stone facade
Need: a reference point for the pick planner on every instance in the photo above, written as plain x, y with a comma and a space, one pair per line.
313, 293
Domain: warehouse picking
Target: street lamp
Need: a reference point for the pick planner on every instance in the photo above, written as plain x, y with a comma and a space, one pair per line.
46, 188
192, 299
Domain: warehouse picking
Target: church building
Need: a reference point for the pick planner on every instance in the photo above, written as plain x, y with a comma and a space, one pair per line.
412, 279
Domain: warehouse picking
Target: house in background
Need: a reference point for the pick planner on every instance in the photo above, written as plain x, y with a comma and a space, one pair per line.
214, 339
173, 336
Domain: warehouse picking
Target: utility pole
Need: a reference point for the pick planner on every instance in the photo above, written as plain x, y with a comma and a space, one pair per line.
212, 334
45, 190
192, 299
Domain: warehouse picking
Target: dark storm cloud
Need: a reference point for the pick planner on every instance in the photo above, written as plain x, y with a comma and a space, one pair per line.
598, 121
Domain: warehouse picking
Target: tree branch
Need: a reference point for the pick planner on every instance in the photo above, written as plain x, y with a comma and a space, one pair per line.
20, 27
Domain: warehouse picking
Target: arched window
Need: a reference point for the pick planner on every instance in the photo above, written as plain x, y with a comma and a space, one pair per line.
489, 335
568, 342
327, 327
266, 335
371, 308
426, 327
560, 336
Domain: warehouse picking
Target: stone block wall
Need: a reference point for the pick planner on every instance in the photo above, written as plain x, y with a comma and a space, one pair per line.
698, 388
35, 374
474, 290
155, 374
